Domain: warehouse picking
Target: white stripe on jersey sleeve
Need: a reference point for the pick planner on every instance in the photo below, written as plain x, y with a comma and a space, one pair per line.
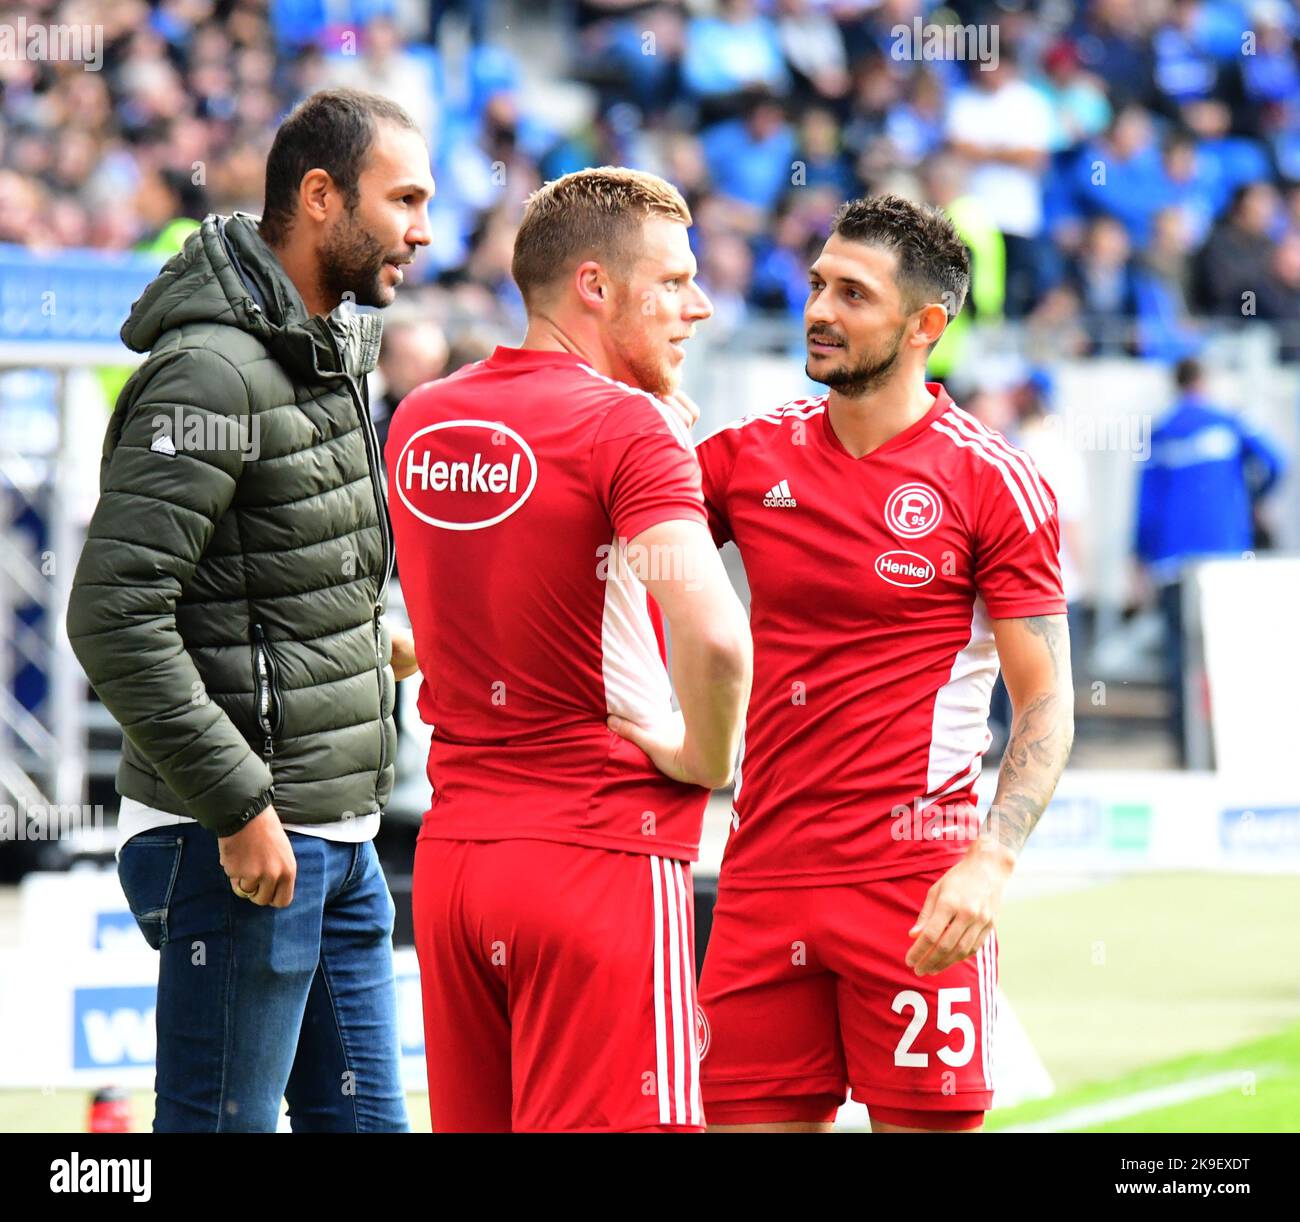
1019, 461
1024, 457
1012, 483
797, 409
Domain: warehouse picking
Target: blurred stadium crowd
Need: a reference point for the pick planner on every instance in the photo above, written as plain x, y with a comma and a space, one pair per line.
1125, 172
1120, 168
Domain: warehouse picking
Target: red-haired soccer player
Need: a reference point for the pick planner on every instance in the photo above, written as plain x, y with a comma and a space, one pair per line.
547, 506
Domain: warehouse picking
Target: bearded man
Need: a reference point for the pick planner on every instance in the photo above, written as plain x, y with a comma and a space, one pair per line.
227, 609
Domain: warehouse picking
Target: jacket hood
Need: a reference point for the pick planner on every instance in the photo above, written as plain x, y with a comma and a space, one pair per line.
226, 274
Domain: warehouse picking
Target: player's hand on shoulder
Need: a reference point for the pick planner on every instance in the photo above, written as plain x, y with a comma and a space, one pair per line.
686, 409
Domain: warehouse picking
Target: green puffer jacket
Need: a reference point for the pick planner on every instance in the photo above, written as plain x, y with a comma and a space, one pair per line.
226, 606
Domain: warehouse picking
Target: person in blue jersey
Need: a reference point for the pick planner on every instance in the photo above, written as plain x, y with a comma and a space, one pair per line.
1198, 497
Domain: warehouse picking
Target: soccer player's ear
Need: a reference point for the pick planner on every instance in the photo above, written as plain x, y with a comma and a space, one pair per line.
933, 322
314, 192
590, 283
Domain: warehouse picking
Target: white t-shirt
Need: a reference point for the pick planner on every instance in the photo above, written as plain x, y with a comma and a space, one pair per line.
1016, 116
135, 817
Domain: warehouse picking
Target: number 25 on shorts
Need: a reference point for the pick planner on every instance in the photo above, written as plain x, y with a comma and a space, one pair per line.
947, 1020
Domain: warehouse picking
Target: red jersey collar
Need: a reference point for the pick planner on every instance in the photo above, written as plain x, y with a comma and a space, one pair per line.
942, 402
531, 358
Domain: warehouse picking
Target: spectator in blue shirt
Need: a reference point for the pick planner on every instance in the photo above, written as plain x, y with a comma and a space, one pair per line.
783, 253
1263, 87
914, 124
1185, 70
751, 159
822, 163
1197, 495
1189, 182
1120, 174
1102, 277
731, 52
1112, 44
1166, 330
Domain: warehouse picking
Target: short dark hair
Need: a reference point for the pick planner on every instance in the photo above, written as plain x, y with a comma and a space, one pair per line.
933, 262
332, 130
1187, 373
191, 197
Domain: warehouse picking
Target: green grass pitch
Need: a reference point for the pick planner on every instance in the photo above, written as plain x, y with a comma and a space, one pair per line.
1159, 1003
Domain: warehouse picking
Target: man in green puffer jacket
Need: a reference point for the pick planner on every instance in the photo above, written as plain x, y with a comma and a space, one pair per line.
227, 609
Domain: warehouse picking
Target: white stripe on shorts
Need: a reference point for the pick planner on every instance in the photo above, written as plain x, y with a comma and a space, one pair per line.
661, 1044
675, 990
980, 957
688, 975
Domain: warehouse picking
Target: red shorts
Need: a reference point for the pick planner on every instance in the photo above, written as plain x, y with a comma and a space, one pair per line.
806, 995
559, 987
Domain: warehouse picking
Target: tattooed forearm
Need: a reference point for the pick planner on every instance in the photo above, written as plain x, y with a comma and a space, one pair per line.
1054, 635
1039, 746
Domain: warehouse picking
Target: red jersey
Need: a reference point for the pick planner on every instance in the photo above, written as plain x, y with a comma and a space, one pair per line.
514, 486
873, 584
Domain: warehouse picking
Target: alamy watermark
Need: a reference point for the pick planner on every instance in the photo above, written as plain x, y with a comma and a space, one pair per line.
124, 1176
23, 40
646, 562
935, 821
50, 821
1123, 433
184, 429
921, 41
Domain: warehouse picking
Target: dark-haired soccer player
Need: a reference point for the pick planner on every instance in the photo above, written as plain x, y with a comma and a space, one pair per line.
896, 551
547, 506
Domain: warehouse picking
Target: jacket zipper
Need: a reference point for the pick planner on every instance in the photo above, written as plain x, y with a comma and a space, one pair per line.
376, 469
385, 529
270, 705
379, 674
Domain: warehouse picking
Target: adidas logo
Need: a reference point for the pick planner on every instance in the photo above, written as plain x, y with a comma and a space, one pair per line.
163, 445
778, 497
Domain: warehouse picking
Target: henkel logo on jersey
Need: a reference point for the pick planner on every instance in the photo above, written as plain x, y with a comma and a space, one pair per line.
905, 569
465, 474
913, 510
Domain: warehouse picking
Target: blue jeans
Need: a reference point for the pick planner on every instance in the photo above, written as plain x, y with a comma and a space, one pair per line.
256, 1004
